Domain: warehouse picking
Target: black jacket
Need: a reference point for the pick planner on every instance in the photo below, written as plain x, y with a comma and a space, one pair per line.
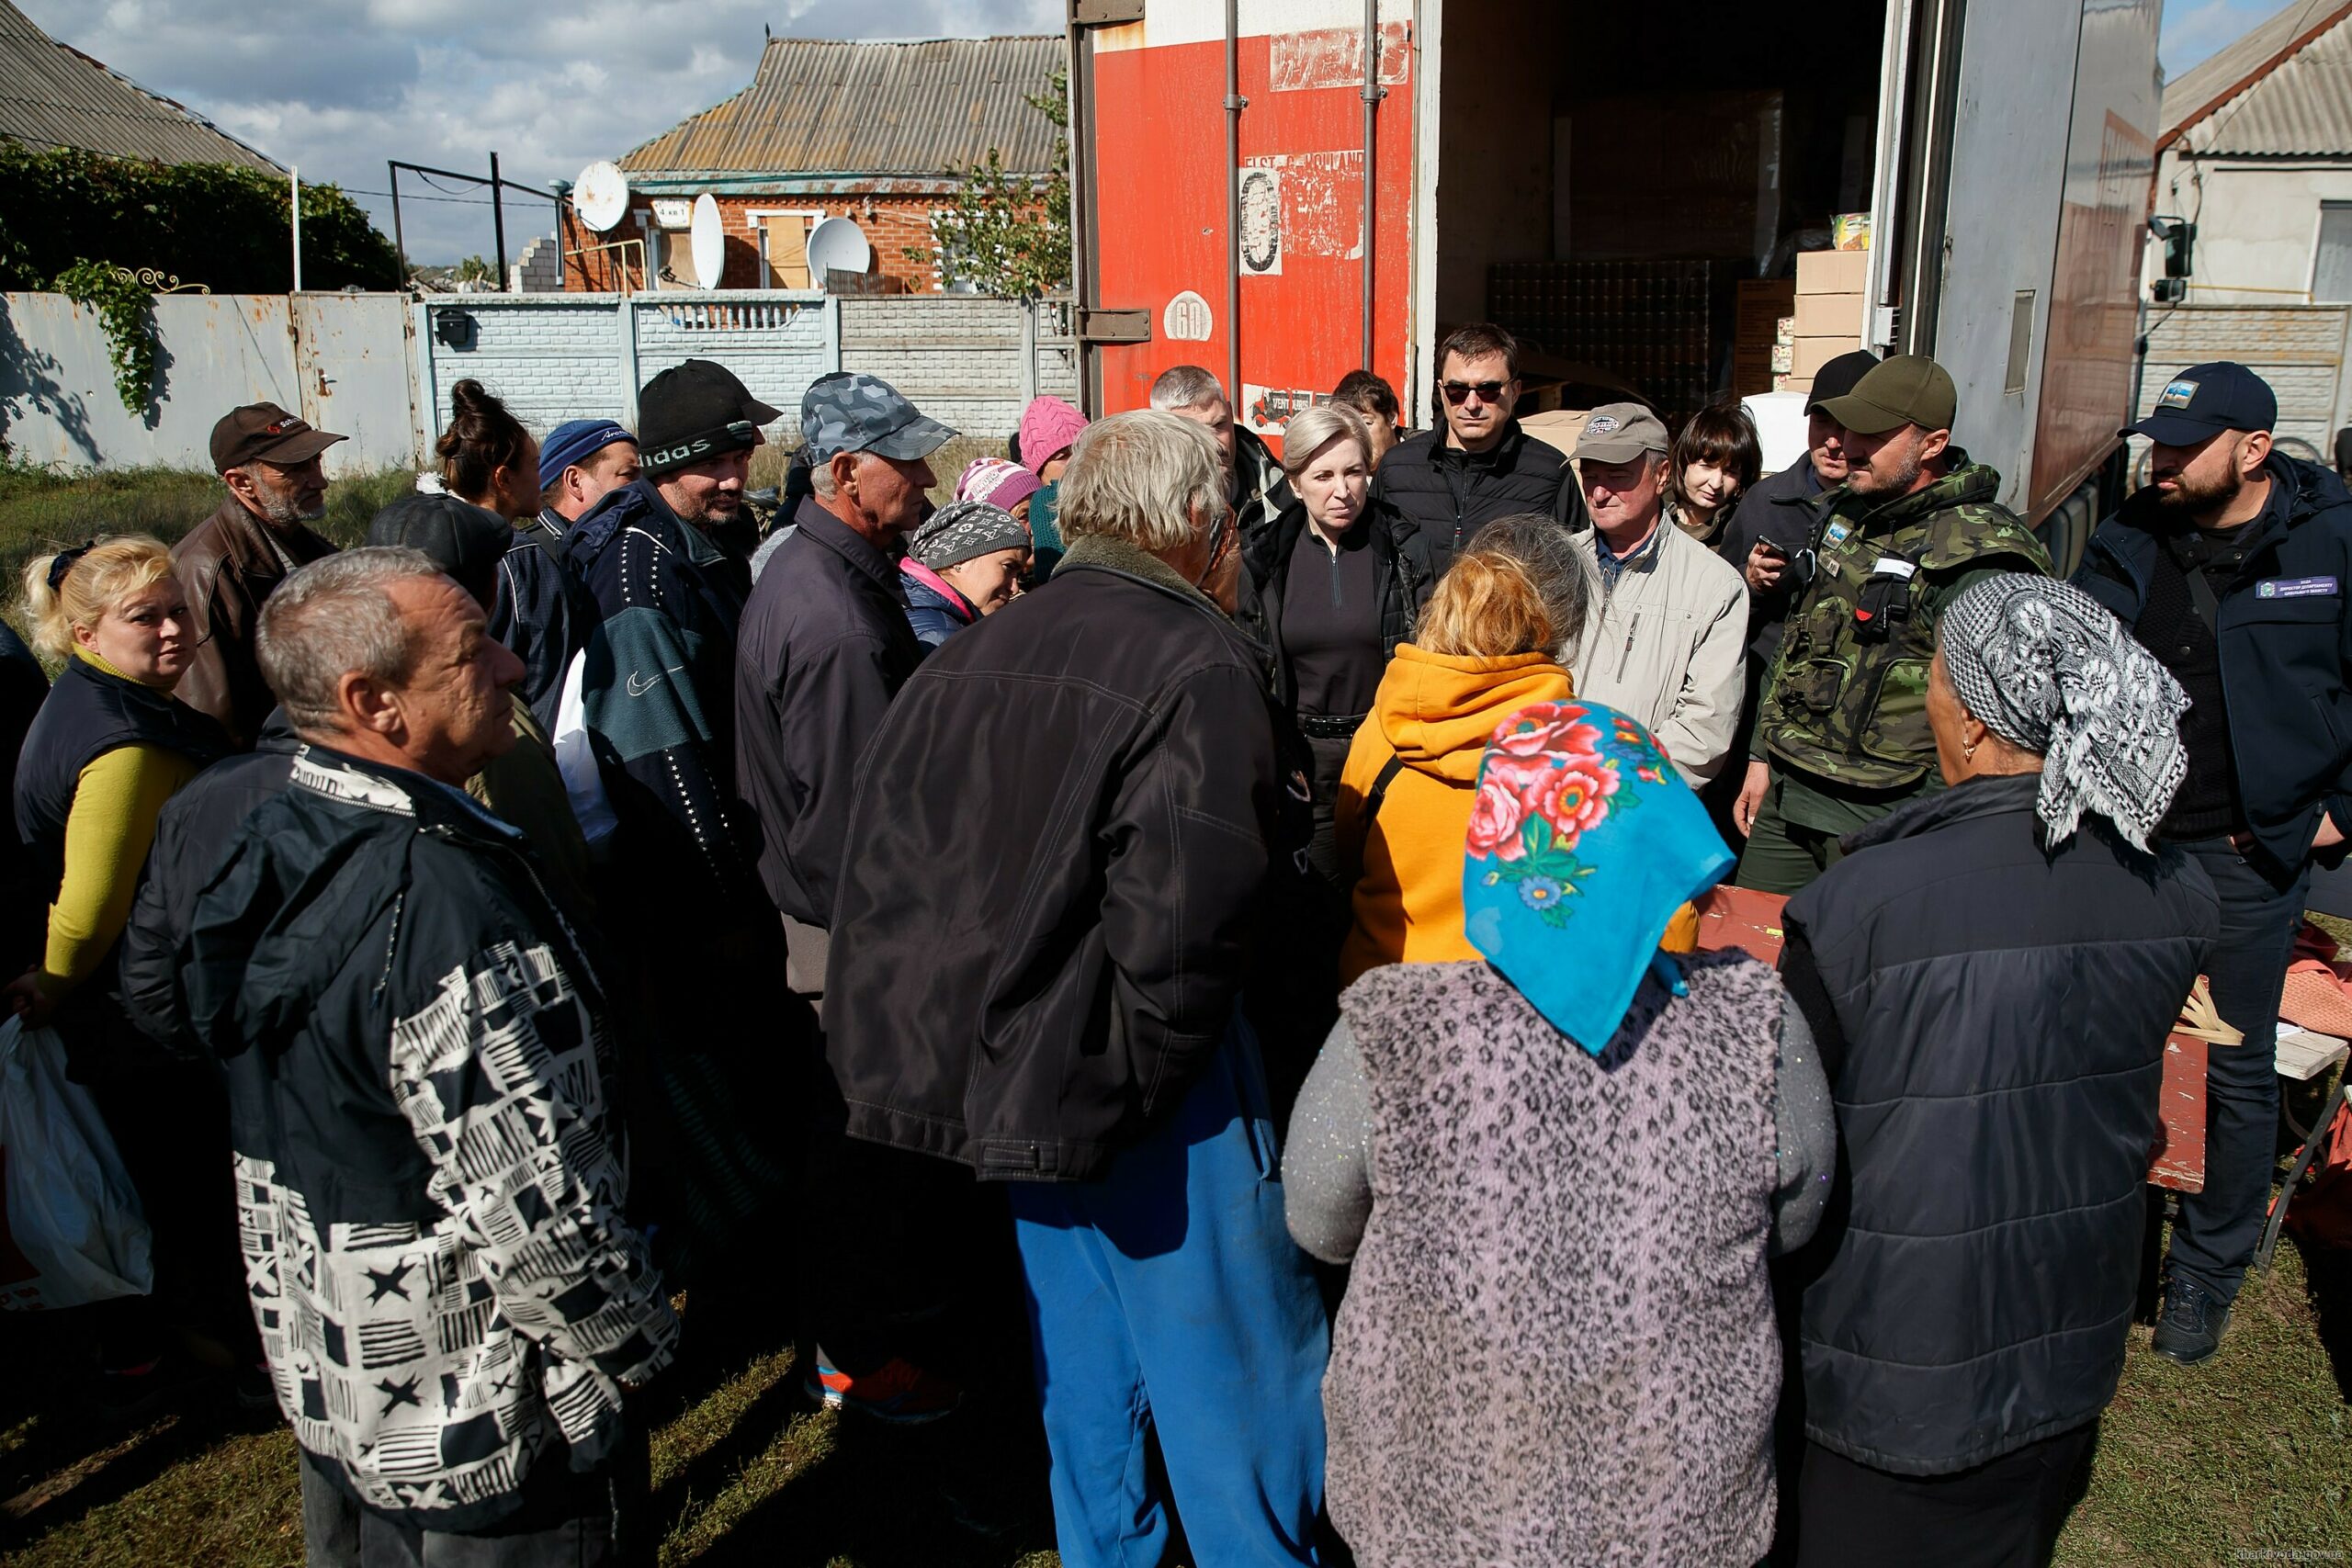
196, 829
429, 1184
1784, 508
1992, 1020
1402, 577
1059, 837
542, 613
24, 911
825, 647
1452, 493
2286, 650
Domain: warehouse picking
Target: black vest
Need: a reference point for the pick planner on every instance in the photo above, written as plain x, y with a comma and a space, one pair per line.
88, 714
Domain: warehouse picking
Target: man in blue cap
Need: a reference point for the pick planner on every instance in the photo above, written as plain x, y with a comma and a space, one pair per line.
541, 612
2231, 566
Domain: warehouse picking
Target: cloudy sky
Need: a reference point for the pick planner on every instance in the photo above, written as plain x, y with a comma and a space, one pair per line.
337, 86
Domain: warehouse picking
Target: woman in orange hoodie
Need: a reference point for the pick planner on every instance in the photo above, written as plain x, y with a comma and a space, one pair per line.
1487, 645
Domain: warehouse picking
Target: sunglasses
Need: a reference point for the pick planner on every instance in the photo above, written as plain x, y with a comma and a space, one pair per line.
1458, 392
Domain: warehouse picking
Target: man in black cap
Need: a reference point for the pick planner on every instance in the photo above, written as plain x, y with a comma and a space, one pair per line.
825, 645
2231, 566
229, 563
1841, 730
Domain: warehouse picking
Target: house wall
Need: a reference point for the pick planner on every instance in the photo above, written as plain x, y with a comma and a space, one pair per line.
2257, 224
897, 222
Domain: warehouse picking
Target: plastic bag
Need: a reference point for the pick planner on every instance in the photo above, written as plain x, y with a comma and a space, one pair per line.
73, 1213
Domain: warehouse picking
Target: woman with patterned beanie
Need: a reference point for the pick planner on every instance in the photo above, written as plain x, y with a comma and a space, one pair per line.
1559, 1168
1991, 973
964, 562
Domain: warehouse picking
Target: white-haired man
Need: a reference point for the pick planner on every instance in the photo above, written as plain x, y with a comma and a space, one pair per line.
1064, 1019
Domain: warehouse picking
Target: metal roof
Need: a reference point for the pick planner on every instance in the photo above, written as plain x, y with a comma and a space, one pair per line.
2283, 90
53, 96
833, 106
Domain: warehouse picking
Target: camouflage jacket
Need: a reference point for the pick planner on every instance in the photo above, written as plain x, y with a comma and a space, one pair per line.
1847, 699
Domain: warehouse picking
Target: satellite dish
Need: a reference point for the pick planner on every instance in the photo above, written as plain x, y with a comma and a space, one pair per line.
709, 241
600, 196
836, 244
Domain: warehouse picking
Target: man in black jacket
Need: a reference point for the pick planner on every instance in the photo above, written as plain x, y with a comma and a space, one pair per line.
1478, 465
417, 1055
2231, 566
1060, 835
826, 645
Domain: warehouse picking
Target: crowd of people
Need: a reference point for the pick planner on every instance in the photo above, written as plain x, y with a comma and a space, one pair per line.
1247, 900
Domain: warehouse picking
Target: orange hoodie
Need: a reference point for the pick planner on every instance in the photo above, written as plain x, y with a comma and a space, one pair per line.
1433, 712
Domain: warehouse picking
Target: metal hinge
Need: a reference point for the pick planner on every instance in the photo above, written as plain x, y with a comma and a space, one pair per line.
1104, 13
1114, 326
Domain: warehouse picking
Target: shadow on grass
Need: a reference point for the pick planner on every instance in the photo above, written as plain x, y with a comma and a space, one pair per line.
2327, 1284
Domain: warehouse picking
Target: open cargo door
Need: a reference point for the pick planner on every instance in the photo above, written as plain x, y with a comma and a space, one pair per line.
1161, 265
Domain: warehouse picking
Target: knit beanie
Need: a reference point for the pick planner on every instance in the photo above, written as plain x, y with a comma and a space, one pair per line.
1050, 427
962, 529
997, 480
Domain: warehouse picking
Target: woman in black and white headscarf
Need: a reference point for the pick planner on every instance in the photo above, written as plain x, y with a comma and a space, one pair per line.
1991, 973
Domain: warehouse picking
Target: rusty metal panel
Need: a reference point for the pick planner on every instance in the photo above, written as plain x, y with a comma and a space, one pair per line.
832, 107
58, 97
351, 364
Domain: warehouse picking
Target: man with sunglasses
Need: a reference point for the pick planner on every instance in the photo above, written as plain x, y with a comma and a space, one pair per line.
2231, 566
1478, 465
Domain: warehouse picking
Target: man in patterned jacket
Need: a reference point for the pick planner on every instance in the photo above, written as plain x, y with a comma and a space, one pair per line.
429, 1185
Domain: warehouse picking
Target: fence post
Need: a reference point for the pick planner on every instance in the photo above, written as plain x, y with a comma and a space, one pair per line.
630, 380
1028, 352
428, 401
834, 331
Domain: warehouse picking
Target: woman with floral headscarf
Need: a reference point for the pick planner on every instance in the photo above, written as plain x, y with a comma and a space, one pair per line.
1559, 1168
1992, 971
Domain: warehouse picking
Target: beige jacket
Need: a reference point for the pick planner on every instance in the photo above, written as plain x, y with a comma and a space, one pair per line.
1666, 645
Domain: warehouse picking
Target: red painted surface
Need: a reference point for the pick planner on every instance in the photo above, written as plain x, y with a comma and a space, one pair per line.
1743, 918
1158, 141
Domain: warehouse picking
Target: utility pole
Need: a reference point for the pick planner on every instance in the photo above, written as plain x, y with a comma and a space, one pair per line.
295, 174
498, 222
399, 245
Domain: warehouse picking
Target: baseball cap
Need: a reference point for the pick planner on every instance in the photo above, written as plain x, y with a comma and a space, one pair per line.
1619, 432
2206, 400
576, 441
695, 411
264, 433
1908, 388
464, 540
1838, 377
850, 412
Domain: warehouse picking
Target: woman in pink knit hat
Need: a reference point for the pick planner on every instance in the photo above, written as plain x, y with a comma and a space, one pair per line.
1049, 429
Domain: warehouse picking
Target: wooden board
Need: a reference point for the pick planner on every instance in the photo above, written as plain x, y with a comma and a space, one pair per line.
1742, 917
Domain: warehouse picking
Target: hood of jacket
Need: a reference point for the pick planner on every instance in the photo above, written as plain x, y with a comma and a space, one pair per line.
1436, 710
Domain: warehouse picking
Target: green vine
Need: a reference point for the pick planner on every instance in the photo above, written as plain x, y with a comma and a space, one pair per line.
126, 310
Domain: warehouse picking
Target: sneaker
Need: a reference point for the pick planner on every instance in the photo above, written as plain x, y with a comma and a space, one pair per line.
896, 1391
2193, 1320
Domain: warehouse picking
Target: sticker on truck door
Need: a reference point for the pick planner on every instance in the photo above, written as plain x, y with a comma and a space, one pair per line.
1261, 222
1186, 318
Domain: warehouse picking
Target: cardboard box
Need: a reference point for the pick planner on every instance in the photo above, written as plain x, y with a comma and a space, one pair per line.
1832, 272
1813, 352
1785, 330
1784, 356
1793, 383
1829, 315
1761, 304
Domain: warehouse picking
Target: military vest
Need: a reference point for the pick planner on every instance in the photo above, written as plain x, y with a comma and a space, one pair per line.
1847, 698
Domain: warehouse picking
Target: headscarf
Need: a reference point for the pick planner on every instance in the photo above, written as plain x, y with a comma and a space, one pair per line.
962, 529
2047, 669
1584, 844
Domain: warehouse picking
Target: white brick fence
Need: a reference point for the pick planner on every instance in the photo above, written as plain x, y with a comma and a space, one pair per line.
379, 368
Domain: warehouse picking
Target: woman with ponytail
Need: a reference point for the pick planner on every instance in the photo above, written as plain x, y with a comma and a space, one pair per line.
487, 457
108, 748
1489, 643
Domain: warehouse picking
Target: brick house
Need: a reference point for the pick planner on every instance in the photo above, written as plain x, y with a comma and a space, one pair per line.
879, 133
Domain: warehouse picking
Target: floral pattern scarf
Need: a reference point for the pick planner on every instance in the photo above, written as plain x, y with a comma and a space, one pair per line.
1584, 844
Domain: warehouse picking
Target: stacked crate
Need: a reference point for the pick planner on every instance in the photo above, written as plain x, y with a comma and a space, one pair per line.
1650, 322
1828, 317
1759, 339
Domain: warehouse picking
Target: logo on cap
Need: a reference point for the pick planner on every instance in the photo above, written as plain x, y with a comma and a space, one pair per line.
2177, 395
1601, 425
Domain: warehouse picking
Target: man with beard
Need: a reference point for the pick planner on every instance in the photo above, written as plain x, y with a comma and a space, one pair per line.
2230, 567
232, 561
1841, 730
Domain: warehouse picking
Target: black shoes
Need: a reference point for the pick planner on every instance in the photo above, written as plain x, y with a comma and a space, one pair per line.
2193, 1320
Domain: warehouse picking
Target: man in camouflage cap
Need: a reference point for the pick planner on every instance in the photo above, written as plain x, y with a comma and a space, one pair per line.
1841, 734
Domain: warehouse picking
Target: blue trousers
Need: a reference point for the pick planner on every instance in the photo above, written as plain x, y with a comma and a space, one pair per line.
2219, 1228
1169, 1299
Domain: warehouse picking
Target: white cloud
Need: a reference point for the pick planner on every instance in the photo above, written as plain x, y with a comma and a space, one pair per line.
338, 87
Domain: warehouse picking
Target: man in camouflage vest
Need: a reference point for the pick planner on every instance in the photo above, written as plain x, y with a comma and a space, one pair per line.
1841, 732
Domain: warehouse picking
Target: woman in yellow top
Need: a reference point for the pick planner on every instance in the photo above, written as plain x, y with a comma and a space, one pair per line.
108, 749
1487, 645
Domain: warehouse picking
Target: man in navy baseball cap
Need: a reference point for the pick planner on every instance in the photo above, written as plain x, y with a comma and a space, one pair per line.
2232, 567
